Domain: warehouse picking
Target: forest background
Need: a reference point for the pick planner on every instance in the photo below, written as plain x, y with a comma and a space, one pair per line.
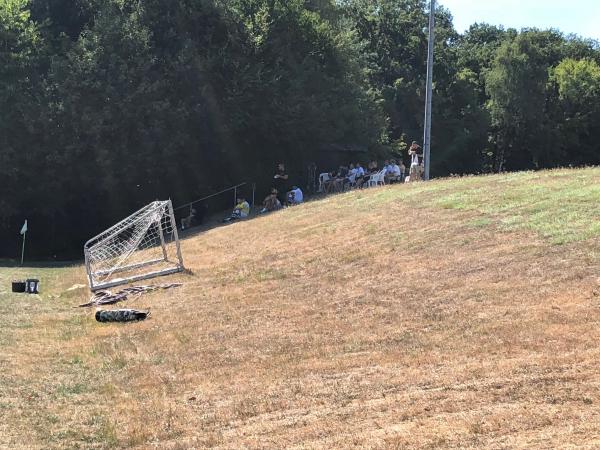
106, 105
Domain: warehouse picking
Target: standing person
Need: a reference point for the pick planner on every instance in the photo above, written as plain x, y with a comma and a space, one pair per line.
402, 171
415, 166
280, 181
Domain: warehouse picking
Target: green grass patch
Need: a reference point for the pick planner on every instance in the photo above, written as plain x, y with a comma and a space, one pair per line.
561, 206
70, 389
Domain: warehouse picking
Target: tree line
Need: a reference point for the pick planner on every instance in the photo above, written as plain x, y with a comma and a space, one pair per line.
106, 105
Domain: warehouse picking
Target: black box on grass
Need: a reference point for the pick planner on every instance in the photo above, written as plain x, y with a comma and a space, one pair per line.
30, 286
18, 286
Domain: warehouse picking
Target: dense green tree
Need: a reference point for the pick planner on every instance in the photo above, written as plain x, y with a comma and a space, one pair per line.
577, 83
21, 53
523, 129
516, 85
106, 105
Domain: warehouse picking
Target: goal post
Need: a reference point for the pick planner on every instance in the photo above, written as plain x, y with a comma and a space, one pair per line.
141, 246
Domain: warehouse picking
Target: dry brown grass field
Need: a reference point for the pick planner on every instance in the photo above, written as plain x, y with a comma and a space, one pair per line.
462, 313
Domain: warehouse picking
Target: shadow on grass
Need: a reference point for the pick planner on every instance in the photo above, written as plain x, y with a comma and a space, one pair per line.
13, 264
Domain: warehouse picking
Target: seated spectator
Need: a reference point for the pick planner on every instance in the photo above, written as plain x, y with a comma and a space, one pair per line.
295, 196
241, 210
359, 176
339, 179
351, 177
364, 179
271, 202
393, 173
329, 183
386, 165
187, 222
360, 171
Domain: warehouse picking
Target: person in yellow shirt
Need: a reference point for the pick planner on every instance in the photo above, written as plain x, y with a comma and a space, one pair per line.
241, 210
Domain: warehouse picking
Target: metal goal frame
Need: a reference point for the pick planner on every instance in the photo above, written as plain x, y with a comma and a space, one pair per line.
103, 264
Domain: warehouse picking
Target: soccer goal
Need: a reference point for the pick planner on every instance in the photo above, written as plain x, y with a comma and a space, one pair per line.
144, 245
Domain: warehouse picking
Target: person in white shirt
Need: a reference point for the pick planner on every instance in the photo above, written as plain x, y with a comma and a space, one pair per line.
352, 171
351, 177
393, 172
295, 196
386, 165
359, 179
360, 172
415, 166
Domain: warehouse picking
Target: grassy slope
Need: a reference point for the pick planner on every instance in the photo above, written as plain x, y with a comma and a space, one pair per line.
459, 313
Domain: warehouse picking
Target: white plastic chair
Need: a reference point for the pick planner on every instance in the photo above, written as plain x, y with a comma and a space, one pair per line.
351, 181
378, 178
322, 179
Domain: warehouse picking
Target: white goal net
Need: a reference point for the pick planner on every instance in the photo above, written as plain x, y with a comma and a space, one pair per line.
144, 245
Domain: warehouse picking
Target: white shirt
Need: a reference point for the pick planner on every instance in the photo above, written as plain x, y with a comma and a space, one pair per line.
360, 171
414, 159
394, 170
298, 196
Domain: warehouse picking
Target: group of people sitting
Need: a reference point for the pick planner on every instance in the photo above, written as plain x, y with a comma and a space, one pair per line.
352, 176
280, 196
356, 176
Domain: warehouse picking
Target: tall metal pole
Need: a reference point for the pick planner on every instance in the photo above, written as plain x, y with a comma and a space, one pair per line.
429, 92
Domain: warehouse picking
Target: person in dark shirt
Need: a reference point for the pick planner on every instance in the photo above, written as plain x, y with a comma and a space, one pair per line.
271, 202
371, 170
343, 171
280, 182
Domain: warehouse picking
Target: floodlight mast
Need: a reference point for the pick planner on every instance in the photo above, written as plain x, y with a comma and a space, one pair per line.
429, 93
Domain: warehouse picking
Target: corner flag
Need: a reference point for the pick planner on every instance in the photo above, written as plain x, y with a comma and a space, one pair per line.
24, 234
